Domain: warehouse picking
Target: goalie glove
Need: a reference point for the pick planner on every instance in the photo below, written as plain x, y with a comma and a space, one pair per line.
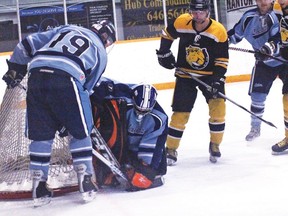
166, 59
268, 49
140, 176
15, 74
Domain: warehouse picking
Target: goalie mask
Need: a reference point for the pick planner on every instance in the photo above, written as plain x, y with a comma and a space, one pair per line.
106, 30
144, 97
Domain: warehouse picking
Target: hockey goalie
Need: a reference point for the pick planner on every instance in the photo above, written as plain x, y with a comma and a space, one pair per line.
134, 127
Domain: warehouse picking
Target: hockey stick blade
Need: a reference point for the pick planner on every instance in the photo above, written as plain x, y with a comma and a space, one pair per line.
101, 144
112, 167
209, 88
105, 155
254, 52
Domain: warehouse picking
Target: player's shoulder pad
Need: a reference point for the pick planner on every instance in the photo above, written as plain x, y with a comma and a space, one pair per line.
218, 31
159, 113
277, 8
182, 21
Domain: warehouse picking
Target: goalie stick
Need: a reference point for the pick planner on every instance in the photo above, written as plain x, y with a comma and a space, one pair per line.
209, 88
105, 154
107, 157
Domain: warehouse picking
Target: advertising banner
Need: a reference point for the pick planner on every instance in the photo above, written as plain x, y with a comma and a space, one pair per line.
145, 18
235, 9
84, 14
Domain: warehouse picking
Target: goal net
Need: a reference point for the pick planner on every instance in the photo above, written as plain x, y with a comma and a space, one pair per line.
15, 179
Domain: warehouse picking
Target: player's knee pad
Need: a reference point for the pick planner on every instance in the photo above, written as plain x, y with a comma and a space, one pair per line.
179, 120
40, 155
176, 128
258, 102
258, 97
217, 112
285, 108
81, 151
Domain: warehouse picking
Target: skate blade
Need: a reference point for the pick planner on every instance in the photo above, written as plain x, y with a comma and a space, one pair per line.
89, 196
279, 153
213, 159
170, 162
158, 181
38, 202
249, 139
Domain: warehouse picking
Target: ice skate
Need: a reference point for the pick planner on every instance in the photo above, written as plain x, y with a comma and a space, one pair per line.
171, 156
40, 193
87, 187
158, 181
214, 152
280, 147
254, 133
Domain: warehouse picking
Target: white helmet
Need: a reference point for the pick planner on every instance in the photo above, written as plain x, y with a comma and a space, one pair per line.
144, 97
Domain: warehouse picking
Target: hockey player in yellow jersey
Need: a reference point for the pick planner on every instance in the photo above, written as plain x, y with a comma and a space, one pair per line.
202, 52
281, 10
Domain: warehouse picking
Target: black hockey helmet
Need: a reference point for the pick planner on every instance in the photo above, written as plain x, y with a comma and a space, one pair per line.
199, 5
106, 30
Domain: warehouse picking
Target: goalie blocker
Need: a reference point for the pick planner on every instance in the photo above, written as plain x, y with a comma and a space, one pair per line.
110, 106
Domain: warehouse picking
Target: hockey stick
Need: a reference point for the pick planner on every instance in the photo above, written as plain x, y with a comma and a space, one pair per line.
105, 155
114, 169
209, 88
254, 52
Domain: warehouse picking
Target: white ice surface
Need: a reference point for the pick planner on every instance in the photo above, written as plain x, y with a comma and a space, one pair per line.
246, 181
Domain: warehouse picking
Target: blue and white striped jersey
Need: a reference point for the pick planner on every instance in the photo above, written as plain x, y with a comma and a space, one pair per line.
147, 137
73, 49
257, 29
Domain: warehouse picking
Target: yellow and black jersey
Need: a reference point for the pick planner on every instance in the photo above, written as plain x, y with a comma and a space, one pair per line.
283, 19
200, 53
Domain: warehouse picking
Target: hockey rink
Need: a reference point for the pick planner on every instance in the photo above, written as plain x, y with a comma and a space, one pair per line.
246, 181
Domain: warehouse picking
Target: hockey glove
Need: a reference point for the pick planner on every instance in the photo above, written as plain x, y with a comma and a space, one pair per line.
216, 83
166, 59
265, 51
15, 74
141, 176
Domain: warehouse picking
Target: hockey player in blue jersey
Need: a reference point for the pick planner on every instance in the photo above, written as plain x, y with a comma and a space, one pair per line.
141, 148
260, 27
64, 64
